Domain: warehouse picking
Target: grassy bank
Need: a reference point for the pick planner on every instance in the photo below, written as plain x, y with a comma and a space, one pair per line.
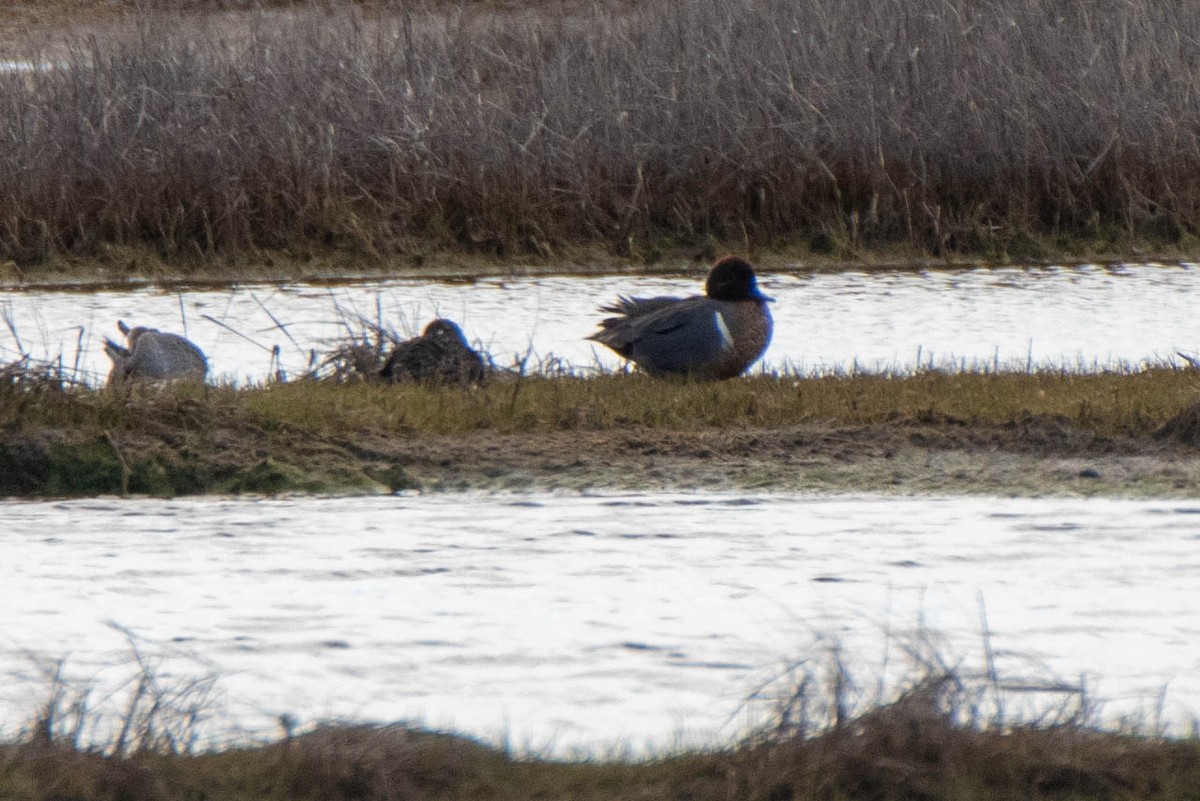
906, 751
609, 431
1103, 404
945, 733
394, 134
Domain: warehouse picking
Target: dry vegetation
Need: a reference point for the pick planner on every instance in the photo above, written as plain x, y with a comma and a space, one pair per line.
1000, 128
905, 751
941, 732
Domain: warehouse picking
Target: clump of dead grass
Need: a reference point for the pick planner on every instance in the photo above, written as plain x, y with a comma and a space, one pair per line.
944, 730
1183, 427
27, 376
356, 358
152, 710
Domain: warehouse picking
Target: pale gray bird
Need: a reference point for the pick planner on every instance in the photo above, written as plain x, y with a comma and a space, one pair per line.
152, 355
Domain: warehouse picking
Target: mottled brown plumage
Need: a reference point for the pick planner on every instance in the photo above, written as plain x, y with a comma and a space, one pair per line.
440, 355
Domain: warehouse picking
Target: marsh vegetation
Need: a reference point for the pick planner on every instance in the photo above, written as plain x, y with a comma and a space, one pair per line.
392, 133
942, 730
563, 430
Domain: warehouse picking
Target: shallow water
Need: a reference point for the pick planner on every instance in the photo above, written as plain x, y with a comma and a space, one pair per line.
1085, 318
563, 623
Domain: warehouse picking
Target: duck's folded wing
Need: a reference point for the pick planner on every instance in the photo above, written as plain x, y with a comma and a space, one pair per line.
637, 316
688, 316
683, 338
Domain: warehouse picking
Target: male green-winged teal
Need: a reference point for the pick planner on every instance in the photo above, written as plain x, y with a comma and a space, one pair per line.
712, 336
440, 355
152, 355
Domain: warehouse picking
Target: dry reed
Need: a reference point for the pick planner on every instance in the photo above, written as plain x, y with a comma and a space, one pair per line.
986, 126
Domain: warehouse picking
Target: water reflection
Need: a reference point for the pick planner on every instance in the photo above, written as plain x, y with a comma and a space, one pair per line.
1085, 318
568, 621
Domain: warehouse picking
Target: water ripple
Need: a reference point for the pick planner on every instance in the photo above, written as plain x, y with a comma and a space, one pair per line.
632, 616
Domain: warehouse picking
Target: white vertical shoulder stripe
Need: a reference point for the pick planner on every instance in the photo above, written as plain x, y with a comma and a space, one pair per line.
723, 330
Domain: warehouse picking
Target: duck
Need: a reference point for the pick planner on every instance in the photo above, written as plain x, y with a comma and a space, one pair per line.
152, 355
710, 337
441, 355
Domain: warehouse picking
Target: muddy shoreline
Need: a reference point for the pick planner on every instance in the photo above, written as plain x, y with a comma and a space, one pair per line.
1032, 457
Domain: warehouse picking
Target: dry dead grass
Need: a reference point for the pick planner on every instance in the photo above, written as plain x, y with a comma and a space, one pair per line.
1005, 129
941, 732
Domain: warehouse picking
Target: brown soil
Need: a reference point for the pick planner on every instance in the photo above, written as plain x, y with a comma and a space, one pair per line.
1029, 457
1036, 456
